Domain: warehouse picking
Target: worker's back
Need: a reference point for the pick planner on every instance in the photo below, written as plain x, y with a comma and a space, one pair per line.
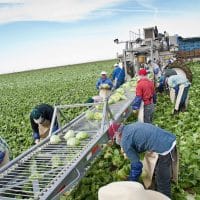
145, 89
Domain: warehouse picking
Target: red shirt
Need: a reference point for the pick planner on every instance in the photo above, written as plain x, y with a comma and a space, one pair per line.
145, 89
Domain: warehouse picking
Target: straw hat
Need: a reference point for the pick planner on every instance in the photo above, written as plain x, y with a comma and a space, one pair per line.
128, 190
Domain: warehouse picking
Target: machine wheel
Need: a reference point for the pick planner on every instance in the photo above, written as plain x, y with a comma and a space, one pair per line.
181, 68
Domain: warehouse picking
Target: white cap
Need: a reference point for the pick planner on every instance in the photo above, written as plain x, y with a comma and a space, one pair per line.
103, 72
115, 65
128, 190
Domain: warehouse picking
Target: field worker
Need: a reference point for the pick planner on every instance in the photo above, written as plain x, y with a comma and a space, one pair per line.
4, 152
104, 85
40, 119
155, 69
179, 88
140, 137
118, 76
145, 98
128, 190
166, 74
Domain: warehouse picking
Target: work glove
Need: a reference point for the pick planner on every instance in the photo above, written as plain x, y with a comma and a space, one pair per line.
136, 170
2, 155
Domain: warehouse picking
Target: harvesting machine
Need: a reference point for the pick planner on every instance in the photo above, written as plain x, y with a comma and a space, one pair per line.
151, 46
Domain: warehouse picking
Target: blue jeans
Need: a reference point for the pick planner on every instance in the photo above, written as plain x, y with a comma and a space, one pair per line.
148, 113
163, 174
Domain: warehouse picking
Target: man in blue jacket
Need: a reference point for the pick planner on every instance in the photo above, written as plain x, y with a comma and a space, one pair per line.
141, 137
104, 80
118, 76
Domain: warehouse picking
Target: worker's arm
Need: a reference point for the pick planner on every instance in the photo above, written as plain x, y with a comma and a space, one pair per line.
98, 84
114, 74
36, 135
136, 165
154, 95
2, 155
138, 98
109, 82
154, 98
3, 149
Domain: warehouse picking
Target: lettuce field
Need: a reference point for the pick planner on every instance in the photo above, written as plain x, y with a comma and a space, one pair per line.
20, 92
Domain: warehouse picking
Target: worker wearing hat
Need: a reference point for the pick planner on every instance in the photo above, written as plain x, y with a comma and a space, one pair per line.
142, 137
155, 70
4, 152
40, 119
118, 76
128, 190
104, 80
145, 98
179, 87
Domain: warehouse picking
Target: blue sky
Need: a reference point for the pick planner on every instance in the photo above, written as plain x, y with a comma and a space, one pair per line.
43, 33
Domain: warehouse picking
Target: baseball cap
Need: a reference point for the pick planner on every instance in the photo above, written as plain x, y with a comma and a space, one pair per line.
142, 72
113, 129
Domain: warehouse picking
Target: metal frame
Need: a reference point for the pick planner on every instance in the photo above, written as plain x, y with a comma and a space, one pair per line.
69, 175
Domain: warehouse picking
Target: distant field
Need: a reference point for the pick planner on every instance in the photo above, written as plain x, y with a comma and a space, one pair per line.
20, 92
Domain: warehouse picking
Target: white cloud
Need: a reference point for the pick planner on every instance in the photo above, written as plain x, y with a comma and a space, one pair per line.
49, 10
149, 4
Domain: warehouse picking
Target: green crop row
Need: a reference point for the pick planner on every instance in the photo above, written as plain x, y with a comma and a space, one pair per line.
20, 92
